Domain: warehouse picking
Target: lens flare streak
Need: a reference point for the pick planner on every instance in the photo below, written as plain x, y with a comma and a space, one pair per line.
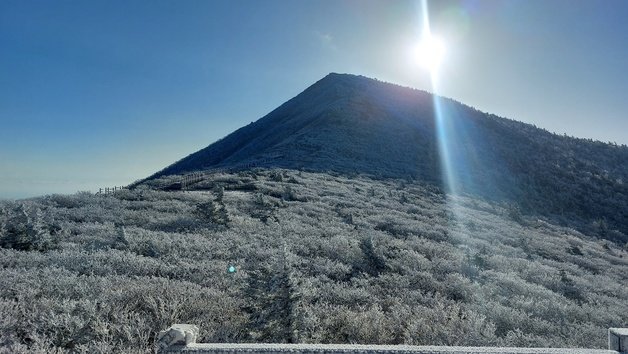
442, 125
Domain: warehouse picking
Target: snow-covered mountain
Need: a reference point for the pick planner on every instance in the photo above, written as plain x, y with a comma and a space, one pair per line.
343, 123
356, 125
366, 247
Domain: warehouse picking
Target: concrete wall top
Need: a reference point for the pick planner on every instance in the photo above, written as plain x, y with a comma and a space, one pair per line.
219, 348
181, 338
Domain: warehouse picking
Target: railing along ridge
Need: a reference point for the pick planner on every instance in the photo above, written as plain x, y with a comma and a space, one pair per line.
181, 338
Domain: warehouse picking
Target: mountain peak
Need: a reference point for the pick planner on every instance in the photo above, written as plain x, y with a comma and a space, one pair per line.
336, 76
357, 125
343, 122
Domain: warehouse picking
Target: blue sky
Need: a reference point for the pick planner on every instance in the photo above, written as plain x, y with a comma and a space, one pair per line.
101, 93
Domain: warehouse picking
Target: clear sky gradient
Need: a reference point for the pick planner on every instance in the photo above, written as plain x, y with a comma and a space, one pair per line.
103, 92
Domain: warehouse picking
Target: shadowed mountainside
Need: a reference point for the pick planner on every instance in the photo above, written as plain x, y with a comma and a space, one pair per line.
356, 125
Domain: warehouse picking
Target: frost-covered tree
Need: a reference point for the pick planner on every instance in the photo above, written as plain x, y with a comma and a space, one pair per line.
26, 230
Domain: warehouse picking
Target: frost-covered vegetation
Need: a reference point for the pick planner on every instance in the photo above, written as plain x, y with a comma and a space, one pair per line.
320, 258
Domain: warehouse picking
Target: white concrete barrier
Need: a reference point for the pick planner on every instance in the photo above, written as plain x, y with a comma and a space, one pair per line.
181, 338
176, 337
618, 339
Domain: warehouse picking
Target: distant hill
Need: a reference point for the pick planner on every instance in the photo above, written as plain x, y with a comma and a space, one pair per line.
356, 125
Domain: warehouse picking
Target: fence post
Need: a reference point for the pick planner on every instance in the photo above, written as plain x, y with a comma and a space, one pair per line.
618, 339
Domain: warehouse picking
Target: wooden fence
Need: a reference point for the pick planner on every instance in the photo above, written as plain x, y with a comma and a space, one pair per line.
110, 190
191, 179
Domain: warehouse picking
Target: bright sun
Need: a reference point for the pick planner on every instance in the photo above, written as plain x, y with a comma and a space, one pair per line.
430, 53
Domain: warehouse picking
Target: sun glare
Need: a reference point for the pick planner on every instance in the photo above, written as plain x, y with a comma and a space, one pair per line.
430, 53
